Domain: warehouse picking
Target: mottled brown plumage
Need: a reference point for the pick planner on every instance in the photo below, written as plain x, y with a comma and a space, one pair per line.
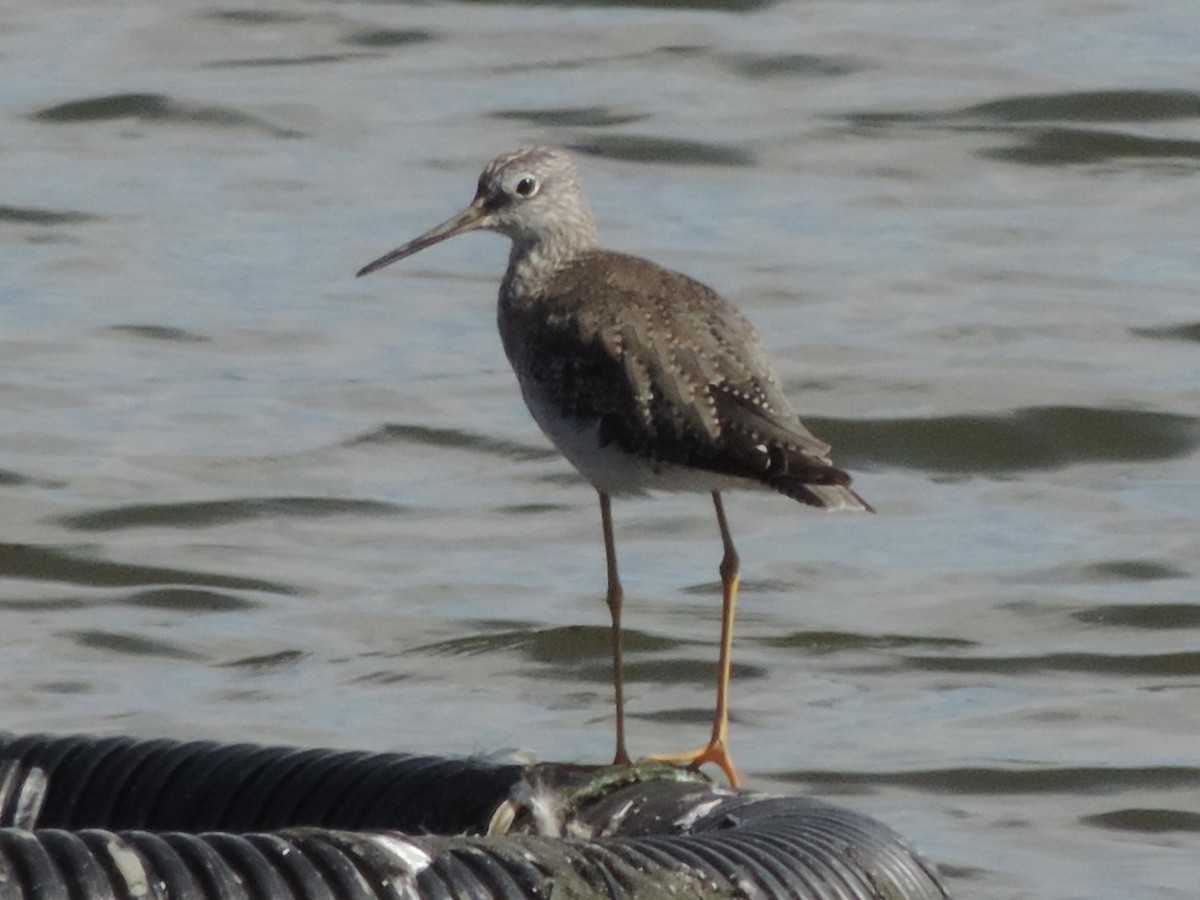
642, 377
669, 373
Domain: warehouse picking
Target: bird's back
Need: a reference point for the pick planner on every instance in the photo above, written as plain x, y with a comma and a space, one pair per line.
666, 371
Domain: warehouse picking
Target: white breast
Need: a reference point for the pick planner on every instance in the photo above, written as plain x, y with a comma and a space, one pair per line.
614, 471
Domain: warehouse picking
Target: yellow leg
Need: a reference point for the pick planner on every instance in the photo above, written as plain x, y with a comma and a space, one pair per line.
716, 751
729, 588
614, 597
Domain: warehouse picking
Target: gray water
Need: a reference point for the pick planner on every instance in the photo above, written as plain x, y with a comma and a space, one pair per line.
247, 497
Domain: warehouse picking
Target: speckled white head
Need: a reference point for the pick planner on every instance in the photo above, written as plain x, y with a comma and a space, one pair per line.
535, 197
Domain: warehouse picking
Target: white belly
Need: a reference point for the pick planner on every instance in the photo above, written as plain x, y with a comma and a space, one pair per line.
614, 471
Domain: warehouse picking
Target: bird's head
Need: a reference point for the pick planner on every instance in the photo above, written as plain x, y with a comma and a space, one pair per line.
535, 197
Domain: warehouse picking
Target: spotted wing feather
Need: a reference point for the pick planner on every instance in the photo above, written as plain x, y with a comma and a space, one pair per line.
670, 372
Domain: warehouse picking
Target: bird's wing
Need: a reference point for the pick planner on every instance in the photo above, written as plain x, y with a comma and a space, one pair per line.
676, 374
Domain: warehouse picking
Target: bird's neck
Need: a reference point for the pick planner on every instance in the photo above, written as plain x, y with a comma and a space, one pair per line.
535, 259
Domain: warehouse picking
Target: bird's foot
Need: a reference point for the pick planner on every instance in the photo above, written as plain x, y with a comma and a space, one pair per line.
714, 752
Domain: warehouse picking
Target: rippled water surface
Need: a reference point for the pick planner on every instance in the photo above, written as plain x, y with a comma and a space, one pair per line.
247, 497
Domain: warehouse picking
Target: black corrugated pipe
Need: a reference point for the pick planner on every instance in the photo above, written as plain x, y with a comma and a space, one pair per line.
118, 817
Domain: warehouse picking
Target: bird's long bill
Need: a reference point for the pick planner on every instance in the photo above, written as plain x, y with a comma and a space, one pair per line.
468, 220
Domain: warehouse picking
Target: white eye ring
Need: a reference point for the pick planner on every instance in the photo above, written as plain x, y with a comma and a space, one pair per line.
526, 186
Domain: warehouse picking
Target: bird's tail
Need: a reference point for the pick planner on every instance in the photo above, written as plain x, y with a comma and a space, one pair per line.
827, 487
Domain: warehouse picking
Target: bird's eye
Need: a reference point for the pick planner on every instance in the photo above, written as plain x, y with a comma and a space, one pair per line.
527, 186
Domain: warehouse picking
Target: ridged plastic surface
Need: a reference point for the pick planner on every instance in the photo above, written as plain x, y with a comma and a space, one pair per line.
158, 785
201, 821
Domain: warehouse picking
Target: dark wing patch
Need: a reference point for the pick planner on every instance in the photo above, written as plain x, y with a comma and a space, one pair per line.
668, 369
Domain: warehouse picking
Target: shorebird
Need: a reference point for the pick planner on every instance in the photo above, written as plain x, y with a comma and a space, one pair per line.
643, 378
